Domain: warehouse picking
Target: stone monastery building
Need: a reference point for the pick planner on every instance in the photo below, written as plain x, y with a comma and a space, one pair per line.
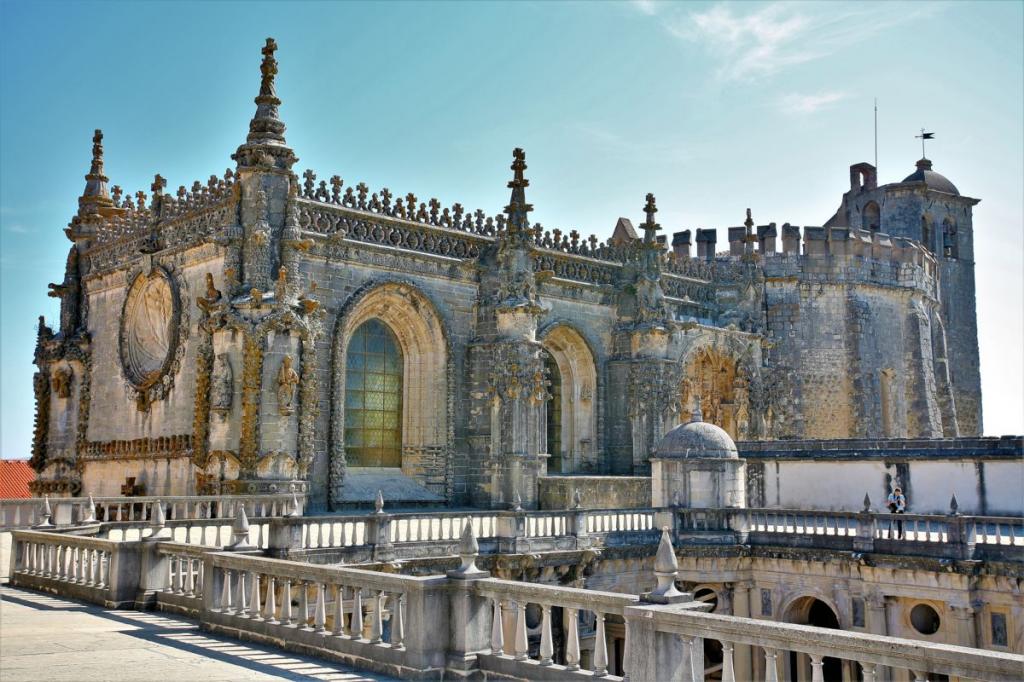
271, 330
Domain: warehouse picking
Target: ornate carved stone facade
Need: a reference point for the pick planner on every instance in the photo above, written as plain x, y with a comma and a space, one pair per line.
225, 312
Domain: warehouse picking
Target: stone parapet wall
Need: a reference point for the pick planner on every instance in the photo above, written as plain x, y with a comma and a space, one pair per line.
595, 492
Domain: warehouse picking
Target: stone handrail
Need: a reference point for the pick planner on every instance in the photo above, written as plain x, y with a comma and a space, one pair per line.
872, 652
99, 571
26, 513
205, 532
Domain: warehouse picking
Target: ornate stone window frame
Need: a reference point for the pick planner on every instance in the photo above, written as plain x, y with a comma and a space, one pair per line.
146, 391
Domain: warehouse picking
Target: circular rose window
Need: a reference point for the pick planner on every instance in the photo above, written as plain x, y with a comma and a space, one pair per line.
148, 329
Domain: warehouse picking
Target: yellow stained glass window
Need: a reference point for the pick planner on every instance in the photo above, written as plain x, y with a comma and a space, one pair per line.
373, 397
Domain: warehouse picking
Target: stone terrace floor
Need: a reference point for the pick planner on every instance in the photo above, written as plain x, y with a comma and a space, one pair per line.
48, 638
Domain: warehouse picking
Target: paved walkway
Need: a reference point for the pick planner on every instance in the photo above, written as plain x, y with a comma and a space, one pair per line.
47, 638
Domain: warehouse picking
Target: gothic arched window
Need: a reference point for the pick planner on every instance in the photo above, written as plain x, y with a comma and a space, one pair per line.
373, 397
926, 233
554, 416
871, 217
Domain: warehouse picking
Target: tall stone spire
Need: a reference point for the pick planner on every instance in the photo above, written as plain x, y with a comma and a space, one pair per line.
95, 194
265, 145
518, 210
650, 227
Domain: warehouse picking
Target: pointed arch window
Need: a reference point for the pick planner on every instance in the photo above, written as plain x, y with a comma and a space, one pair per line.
373, 397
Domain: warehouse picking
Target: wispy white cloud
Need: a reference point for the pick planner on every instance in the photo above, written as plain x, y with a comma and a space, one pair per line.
648, 7
18, 229
809, 103
766, 40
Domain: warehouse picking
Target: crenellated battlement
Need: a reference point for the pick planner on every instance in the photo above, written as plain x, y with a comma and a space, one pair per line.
814, 253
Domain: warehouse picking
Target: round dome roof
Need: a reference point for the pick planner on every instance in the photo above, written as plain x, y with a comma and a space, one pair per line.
931, 179
697, 439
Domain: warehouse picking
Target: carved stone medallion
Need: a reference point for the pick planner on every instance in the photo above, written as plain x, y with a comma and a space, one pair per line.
149, 340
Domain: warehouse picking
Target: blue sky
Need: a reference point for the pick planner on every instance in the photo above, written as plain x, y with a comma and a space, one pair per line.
714, 107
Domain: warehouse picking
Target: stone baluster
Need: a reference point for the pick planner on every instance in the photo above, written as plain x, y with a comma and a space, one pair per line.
270, 607
339, 611
547, 648
225, 592
771, 671
870, 671
60, 563
198, 588
600, 648
728, 670
357, 613
72, 561
377, 622
398, 621
572, 645
497, 632
240, 604
817, 668
521, 648
175, 564
919, 676
304, 606
254, 598
320, 610
286, 602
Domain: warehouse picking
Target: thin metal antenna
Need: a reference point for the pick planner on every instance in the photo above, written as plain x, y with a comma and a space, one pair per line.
876, 135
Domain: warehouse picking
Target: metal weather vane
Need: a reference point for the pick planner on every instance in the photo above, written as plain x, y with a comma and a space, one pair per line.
924, 136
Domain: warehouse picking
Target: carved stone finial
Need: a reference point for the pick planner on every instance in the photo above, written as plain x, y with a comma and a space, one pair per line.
666, 568
577, 499
469, 548
867, 503
296, 509
47, 514
378, 504
265, 145
95, 193
517, 209
749, 222
240, 530
90, 511
517, 502
954, 506
159, 182
158, 522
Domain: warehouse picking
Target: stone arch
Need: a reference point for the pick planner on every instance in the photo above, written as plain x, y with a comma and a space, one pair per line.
577, 368
871, 217
426, 416
719, 373
816, 610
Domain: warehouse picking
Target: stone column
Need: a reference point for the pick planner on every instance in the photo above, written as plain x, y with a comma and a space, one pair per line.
875, 616
963, 621
742, 656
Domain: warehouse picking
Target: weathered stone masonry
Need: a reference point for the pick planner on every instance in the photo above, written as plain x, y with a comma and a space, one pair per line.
204, 334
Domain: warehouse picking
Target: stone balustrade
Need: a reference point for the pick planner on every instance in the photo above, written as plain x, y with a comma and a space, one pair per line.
99, 571
26, 513
387, 623
208, 532
509, 652
950, 536
466, 622
667, 642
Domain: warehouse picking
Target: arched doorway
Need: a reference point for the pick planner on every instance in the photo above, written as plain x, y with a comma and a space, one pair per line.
812, 611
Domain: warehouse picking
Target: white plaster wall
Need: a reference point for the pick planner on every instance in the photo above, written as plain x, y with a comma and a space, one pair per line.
933, 483
1004, 488
823, 485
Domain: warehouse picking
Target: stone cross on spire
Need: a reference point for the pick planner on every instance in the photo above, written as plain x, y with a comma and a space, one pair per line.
650, 227
95, 194
265, 145
517, 209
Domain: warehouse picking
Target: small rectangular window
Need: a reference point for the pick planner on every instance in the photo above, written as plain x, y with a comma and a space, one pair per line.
766, 602
999, 637
857, 605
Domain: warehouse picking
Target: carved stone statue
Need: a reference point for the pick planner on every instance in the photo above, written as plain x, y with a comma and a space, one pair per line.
222, 389
213, 295
287, 380
60, 382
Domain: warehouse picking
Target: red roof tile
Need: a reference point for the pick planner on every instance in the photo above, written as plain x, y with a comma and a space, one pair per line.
15, 475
